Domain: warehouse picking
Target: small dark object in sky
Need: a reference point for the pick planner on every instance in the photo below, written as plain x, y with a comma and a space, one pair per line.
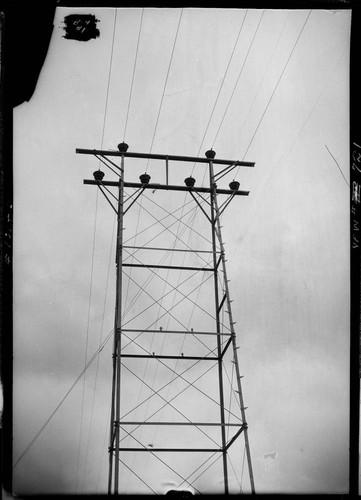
81, 27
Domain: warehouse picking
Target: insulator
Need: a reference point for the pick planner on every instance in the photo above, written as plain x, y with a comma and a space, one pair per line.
210, 154
123, 147
144, 178
190, 181
234, 185
98, 175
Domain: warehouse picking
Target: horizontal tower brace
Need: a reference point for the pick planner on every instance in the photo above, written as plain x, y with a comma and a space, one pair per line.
207, 450
210, 424
170, 249
167, 187
130, 330
156, 266
155, 356
153, 156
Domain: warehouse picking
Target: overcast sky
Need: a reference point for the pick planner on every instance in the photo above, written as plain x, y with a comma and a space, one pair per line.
278, 97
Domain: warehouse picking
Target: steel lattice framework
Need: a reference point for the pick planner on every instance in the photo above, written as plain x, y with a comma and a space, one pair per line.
190, 361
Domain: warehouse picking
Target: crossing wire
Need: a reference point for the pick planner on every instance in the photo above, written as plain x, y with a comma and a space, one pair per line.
87, 336
152, 276
239, 75
276, 86
280, 163
165, 85
134, 67
174, 288
157, 393
220, 88
100, 341
187, 381
93, 250
109, 77
132, 470
338, 166
164, 337
263, 77
93, 357
158, 458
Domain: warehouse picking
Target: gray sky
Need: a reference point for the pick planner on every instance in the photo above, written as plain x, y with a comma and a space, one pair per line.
287, 244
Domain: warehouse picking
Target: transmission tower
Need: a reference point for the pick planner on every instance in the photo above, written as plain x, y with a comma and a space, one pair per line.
181, 358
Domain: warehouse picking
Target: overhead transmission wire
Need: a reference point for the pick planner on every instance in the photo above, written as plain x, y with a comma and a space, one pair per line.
181, 293
163, 292
165, 336
87, 337
100, 340
176, 236
238, 77
165, 86
220, 88
109, 77
158, 458
281, 162
93, 250
270, 59
187, 381
157, 393
134, 68
151, 277
93, 357
338, 166
276, 86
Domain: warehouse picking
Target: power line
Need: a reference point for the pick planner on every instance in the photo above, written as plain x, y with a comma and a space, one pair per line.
109, 76
278, 81
165, 85
64, 398
280, 163
134, 67
239, 75
263, 77
100, 341
338, 166
87, 334
220, 88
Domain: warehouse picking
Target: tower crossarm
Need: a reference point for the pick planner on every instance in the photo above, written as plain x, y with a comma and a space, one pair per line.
168, 187
153, 156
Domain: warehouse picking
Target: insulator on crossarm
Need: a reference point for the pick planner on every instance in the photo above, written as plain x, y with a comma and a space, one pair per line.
98, 175
123, 147
189, 181
234, 185
210, 154
144, 178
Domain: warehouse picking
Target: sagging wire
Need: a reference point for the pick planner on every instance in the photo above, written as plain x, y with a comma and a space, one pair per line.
220, 88
239, 75
165, 85
134, 67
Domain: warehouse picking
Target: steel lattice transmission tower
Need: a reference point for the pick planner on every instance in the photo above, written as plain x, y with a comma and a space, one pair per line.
152, 358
